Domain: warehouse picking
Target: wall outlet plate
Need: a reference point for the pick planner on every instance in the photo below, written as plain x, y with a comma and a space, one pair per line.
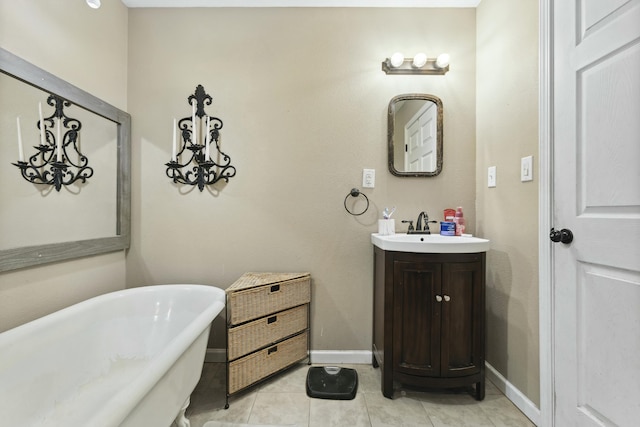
491, 176
368, 178
526, 169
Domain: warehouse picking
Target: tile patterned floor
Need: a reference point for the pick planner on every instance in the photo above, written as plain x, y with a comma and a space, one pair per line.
282, 400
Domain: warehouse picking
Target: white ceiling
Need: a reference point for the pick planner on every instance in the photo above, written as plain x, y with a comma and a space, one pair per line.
301, 3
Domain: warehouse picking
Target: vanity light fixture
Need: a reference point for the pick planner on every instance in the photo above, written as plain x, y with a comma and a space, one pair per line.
193, 162
420, 64
58, 161
93, 4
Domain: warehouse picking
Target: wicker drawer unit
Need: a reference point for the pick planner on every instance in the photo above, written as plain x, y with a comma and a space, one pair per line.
267, 326
256, 366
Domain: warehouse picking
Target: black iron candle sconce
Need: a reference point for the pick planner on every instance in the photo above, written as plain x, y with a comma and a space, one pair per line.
203, 166
54, 163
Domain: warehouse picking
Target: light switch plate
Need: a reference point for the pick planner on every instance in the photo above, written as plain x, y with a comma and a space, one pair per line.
368, 178
491, 176
526, 169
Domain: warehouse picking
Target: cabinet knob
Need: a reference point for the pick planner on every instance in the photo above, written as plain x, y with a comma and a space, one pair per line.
438, 298
447, 298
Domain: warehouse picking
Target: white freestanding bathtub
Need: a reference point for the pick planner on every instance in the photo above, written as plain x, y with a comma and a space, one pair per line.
128, 358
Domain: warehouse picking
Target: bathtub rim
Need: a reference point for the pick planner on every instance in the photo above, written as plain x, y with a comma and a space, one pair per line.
114, 410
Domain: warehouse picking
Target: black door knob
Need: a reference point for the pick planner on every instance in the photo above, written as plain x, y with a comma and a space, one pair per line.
565, 235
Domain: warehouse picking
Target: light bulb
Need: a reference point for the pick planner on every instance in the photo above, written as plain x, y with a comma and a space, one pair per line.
397, 59
443, 60
419, 60
94, 4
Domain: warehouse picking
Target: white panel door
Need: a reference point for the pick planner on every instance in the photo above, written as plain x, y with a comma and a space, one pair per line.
421, 143
596, 186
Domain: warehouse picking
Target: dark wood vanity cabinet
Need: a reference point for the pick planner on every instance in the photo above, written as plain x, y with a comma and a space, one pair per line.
429, 319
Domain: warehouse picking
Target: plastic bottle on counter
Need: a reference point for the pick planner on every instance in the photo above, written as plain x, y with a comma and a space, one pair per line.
459, 221
449, 214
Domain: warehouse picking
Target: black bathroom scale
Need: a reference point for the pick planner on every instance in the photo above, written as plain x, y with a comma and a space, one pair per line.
332, 382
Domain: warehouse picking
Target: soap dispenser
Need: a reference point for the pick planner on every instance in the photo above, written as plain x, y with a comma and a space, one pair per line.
459, 220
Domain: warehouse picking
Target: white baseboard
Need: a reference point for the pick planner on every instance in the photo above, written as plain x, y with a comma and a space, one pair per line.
356, 357
513, 394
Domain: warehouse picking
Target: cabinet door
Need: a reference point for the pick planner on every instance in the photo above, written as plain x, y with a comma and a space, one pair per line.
416, 318
462, 330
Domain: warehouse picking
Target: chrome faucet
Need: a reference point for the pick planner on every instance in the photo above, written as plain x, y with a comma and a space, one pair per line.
419, 228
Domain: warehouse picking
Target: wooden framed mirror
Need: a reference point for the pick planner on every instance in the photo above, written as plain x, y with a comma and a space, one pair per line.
42, 226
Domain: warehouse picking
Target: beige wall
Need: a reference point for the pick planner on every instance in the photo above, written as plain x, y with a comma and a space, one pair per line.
304, 101
507, 113
88, 49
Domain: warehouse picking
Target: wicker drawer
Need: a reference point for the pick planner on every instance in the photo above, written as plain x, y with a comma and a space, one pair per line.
256, 366
251, 336
259, 301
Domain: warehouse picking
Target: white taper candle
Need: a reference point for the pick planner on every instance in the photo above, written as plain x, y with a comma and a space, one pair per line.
20, 150
193, 120
175, 131
42, 137
59, 142
207, 156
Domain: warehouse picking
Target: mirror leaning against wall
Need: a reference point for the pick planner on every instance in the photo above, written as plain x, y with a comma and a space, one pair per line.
414, 135
39, 223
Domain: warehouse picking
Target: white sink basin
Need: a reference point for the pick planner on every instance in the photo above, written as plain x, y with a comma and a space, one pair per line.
430, 243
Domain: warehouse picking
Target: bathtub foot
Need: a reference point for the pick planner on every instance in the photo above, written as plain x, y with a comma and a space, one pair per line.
181, 419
